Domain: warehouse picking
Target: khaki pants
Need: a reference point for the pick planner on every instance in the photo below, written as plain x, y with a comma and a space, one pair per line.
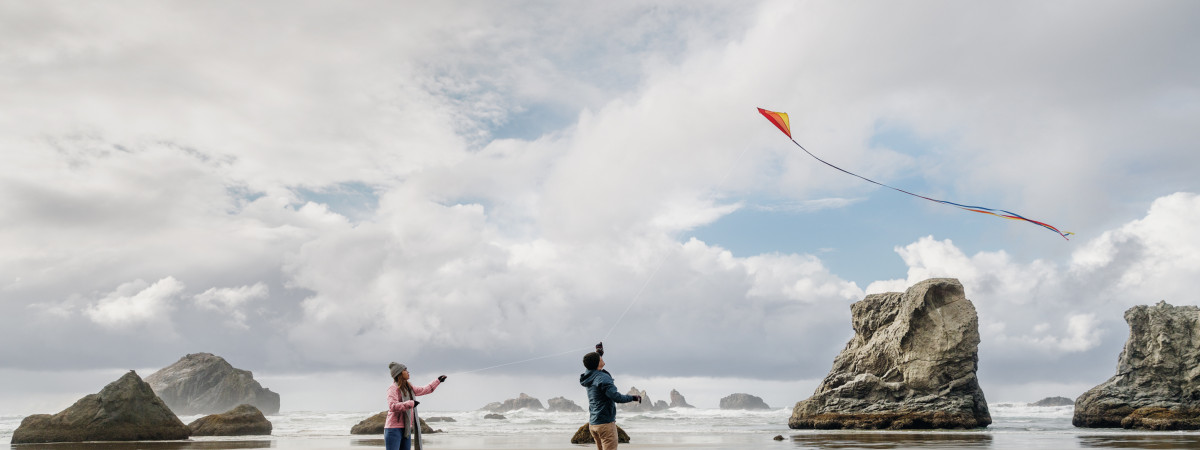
605, 435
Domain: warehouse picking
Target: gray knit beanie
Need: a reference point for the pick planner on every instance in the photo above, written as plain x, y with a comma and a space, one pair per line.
396, 368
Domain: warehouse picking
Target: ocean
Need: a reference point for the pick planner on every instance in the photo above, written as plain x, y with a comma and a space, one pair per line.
1015, 426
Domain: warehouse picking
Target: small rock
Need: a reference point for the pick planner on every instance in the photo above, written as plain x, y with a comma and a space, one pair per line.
1054, 401
743, 401
778, 437
495, 416
440, 419
244, 420
584, 436
375, 424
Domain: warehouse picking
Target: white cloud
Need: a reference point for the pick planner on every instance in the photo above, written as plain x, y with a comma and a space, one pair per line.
137, 303
232, 301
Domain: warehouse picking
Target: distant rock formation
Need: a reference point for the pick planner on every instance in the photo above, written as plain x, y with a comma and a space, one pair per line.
584, 436
561, 404
495, 416
441, 419
203, 383
244, 420
1053, 401
1156, 386
743, 401
124, 410
375, 424
646, 405
677, 400
523, 401
910, 365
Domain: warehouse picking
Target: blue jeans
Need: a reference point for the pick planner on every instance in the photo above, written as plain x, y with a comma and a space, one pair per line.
394, 439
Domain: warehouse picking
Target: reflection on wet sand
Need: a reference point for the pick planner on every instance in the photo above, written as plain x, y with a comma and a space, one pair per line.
367, 442
1165, 440
887, 440
146, 445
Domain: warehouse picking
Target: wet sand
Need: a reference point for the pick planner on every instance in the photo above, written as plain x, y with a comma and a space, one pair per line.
824, 440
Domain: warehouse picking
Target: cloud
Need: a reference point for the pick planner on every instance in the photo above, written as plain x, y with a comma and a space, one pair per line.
136, 304
232, 301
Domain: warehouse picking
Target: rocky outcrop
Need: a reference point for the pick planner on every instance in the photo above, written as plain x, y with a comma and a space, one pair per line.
1053, 401
561, 404
203, 383
584, 436
1157, 385
646, 404
743, 401
244, 420
441, 419
910, 364
523, 401
677, 400
375, 424
495, 416
125, 410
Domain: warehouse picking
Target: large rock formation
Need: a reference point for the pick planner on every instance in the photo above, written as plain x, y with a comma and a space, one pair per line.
375, 424
523, 401
125, 410
1157, 385
243, 420
910, 364
561, 404
584, 436
743, 401
203, 383
677, 400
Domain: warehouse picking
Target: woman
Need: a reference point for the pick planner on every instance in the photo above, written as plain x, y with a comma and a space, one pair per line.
403, 427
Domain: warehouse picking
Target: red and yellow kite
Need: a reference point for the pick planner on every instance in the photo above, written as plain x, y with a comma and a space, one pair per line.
780, 120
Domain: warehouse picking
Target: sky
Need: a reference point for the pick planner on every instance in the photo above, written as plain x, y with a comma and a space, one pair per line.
486, 189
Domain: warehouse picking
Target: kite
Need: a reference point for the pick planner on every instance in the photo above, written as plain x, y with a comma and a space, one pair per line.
780, 120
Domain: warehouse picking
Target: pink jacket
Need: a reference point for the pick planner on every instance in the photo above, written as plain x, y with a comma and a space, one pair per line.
398, 409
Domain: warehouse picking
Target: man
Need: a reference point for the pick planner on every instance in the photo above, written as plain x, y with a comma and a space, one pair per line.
603, 397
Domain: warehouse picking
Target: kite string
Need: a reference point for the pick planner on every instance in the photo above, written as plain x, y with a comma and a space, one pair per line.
978, 209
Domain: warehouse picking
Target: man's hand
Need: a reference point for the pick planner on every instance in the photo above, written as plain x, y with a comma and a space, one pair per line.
442, 378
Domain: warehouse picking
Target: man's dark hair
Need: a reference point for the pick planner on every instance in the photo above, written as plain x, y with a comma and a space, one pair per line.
591, 361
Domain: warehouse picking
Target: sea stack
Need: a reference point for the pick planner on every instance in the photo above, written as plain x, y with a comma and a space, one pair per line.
910, 365
125, 410
204, 383
1156, 386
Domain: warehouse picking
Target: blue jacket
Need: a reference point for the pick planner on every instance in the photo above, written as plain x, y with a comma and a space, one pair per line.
603, 396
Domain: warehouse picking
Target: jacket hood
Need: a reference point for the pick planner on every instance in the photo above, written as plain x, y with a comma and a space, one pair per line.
586, 378
590, 377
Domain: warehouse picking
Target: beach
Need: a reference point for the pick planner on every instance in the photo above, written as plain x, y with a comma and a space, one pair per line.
1015, 426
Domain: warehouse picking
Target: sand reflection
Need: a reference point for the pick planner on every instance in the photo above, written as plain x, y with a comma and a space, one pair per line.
888, 440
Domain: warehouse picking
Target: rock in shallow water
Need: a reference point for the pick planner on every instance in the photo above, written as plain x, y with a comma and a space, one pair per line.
910, 365
584, 436
125, 410
1157, 385
375, 424
244, 420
